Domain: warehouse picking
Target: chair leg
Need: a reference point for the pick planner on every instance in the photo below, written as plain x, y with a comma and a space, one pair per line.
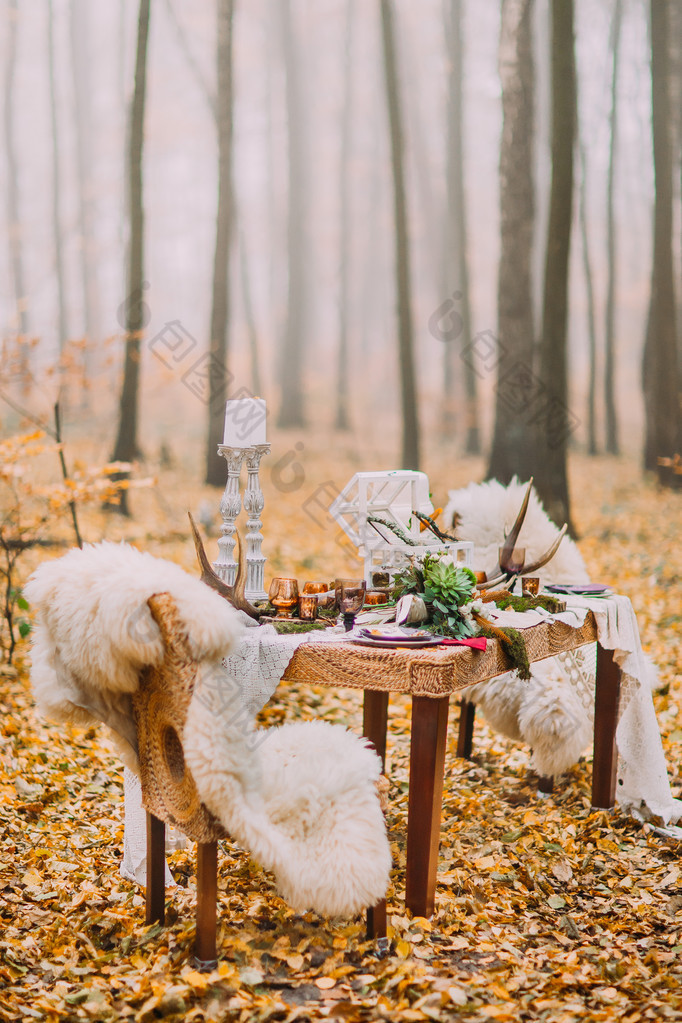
205, 952
155, 898
465, 736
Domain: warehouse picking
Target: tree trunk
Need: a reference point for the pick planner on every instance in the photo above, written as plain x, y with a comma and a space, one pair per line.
660, 368
80, 58
513, 438
550, 412
12, 190
342, 421
591, 319
217, 367
612, 445
292, 411
457, 240
254, 352
410, 444
62, 329
127, 448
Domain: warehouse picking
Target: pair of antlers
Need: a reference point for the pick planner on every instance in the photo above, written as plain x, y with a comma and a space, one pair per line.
507, 566
234, 594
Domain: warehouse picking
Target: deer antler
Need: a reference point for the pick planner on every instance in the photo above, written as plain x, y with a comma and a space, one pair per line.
234, 594
513, 535
548, 555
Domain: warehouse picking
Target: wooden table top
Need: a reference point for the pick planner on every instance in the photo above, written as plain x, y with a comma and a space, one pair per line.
430, 671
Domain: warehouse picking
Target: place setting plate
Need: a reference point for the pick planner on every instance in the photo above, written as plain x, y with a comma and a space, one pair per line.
580, 589
406, 639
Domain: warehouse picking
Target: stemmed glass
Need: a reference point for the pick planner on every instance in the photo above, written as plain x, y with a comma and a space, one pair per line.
350, 596
515, 560
283, 595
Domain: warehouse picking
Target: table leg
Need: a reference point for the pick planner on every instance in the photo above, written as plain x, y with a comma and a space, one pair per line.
207, 897
465, 736
376, 920
155, 897
427, 761
607, 694
374, 721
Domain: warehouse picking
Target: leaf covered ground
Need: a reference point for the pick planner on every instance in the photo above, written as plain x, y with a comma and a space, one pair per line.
546, 909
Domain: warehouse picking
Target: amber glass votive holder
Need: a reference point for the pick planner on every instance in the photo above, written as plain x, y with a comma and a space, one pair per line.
376, 597
530, 585
315, 587
283, 595
307, 607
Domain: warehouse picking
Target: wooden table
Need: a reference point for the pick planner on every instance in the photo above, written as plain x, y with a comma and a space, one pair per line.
431, 676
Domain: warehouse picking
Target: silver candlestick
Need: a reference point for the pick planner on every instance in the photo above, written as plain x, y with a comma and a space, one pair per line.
254, 502
230, 506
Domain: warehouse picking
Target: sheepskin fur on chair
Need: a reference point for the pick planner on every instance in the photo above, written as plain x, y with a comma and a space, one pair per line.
546, 712
302, 799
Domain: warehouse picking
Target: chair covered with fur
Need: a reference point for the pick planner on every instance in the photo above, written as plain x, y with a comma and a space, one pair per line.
552, 712
133, 641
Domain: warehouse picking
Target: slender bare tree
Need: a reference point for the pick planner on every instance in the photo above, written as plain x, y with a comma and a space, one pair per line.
16, 259
591, 315
215, 465
81, 55
611, 416
252, 329
551, 412
660, 365
456, 257
342, 421
513, 437
292, 412
62, 328
410, 419
127, 446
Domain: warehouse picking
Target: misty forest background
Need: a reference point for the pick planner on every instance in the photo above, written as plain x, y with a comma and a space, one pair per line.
453, 224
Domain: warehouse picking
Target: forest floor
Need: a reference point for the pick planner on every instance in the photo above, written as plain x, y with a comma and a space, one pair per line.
546, 909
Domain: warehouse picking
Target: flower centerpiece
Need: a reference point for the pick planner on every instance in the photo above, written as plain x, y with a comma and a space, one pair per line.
448, 591
454, 606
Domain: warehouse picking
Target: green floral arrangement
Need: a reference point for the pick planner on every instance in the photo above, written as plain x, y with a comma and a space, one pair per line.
446, 588
448, 592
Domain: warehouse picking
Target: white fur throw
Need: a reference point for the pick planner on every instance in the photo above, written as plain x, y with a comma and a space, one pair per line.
95, 632
301, 798
547, 711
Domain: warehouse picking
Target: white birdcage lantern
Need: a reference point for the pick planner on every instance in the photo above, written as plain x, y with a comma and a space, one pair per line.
392, 496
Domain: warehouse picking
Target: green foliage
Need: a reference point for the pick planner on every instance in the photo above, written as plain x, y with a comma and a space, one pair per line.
547, 601
444, 587
515, 649
448, 586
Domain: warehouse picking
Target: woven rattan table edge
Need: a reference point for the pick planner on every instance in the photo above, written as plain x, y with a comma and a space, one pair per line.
434, 671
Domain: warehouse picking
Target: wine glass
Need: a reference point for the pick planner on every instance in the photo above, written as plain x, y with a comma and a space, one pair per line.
283, 595
350, 596
514, 561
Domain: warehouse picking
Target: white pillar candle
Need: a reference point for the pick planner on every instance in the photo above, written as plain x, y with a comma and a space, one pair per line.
244, 422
